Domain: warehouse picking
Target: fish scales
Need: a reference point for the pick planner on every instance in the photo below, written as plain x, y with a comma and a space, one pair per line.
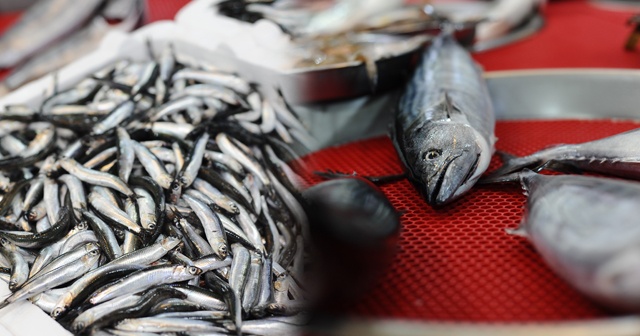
444, 123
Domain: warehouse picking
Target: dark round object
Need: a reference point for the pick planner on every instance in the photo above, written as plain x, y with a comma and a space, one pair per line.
352, 211
354, 228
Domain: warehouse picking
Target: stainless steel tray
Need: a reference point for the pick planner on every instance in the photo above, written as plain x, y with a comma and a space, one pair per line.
351, 80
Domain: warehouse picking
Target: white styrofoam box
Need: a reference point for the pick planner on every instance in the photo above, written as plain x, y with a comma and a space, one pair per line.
189, 45
25, 319
261, 43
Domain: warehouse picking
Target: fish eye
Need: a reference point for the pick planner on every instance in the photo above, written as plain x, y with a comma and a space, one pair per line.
193, 270
433, 154
94, 253
56, 312
152, 226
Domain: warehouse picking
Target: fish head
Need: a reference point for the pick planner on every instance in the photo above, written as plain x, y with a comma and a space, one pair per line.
445, 161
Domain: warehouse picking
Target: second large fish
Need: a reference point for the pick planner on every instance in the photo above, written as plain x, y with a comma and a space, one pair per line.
443, 129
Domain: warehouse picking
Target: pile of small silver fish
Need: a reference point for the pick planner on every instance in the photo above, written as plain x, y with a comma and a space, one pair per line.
73, 29
154, 197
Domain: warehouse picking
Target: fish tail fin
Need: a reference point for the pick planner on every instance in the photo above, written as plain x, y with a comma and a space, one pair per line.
519, 231
517, 176
6, 301
511, 164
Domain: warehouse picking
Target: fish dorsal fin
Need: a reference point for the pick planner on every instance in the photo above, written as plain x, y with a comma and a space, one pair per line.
449, 108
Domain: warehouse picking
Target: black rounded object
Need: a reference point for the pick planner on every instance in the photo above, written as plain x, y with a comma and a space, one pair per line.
352, 211
354, 229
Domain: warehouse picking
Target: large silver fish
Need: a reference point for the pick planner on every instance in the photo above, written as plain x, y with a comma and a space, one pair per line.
444, 124
41, 25
617, 155
586, 229
76, 45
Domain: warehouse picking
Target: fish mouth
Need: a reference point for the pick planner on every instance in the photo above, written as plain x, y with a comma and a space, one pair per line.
454, 174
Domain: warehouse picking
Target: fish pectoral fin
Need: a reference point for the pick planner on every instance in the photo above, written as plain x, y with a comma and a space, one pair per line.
519, 231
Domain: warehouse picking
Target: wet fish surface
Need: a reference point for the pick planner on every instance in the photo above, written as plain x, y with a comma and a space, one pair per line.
72, 47
586, 230
27, 37
124, 205
616, 155
443, 129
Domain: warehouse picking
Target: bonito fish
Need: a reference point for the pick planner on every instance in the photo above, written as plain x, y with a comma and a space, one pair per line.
586, 229
76, 45
444, 124
44, 23
617, 155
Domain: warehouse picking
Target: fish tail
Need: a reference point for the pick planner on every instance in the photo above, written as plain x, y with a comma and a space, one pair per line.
518, 176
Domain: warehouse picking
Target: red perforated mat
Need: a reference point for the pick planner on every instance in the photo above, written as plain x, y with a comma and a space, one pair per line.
459, 264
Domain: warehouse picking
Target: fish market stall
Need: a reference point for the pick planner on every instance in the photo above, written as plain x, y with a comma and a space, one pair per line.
175, 116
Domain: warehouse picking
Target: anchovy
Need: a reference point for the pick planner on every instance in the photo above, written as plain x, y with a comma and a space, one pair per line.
55, 232
152, 165
95, 177
168, 325
251, 289
114, 214
72, 293
126, 154
200, 244
19, 266
189, 172
92, 314
55, 278
145, 279
76, 193
65, 259
51, 201
443, 129
212, 226
105, 235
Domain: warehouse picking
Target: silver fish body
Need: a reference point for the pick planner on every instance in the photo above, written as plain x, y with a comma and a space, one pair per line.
444, 124
27, 36
616, 155
586, 230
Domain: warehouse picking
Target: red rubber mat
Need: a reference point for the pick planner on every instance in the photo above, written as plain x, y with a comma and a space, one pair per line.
576, 34
459, 264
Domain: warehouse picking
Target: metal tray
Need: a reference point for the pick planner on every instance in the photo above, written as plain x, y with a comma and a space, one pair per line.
350, 80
